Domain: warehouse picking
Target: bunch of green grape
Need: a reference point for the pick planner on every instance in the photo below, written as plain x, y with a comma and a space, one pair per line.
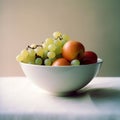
45, 53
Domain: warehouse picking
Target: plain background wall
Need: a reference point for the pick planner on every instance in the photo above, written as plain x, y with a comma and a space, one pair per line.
96, 23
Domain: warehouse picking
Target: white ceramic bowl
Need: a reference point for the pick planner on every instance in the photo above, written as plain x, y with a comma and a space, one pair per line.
63, 79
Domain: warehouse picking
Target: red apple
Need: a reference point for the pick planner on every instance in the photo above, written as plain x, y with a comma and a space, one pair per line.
89, 57
60, 62
73, 50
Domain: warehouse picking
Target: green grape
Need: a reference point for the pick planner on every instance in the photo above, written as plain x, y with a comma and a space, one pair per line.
39, 51
57, 35
31, 52
51, 54
38, 61
75, 62
19, 58
51, 47
65, 37
53, 59
24, 53
29, 59
45, 46
26, 59
47, 62
49, 41
58, 50
58, 42
45, 53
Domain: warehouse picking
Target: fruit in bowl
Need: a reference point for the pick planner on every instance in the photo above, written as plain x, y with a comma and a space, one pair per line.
59, 65
72, 50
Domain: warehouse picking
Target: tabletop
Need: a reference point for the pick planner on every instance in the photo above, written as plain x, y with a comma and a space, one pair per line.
22, 100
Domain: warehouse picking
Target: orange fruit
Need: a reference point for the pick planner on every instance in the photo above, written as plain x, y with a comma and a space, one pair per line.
60, 62
73, 50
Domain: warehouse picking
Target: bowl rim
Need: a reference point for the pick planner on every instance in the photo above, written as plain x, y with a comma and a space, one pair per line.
99, 61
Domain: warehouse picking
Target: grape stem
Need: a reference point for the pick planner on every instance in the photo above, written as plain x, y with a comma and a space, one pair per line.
33, 47
60, 37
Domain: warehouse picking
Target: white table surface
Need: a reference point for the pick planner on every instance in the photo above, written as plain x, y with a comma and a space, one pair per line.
22, 100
